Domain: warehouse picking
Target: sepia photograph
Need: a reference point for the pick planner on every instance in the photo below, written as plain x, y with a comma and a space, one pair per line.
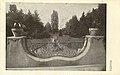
56, 36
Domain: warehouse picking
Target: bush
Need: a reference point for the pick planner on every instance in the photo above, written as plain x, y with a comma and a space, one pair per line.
41, 35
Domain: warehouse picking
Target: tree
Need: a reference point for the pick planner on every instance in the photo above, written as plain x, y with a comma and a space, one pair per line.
73, 24
102, 18
14, 15
33, 23
48, 27
97, 19
60, 32
11, 18
89, 20
29, 23
82, 28
13, 8
63, 31
37, 22
67, 29
94, 19
54, 21
21, 16
36, 16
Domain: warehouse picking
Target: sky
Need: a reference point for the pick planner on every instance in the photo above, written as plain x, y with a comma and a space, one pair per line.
65, 10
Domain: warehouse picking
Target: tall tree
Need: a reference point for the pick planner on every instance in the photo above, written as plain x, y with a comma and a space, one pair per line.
11, 18
30, 23
21, 16
13, 8
67, 29
54, 21
96, 19
38, 24
73, 23
82, 28
102, 18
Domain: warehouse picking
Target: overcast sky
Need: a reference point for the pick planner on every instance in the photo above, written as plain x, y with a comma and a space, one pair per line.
65, 10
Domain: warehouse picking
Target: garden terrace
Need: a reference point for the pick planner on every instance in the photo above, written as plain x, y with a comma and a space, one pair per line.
45, 48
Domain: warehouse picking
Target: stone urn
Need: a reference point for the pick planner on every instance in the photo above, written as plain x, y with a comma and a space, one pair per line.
93, 31
17, 30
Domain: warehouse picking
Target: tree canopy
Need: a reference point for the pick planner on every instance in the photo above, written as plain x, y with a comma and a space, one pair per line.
54, 21
75, 27
94, 19
31, 21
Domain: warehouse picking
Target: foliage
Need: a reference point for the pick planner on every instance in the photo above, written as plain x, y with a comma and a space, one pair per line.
82, 28
54, 21
12, 17
48, 27
60, 32
98, 19
94, 19
74, 27
31, 22
41, 35
73, 23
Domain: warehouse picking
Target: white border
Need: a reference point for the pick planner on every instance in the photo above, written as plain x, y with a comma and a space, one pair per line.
113, 50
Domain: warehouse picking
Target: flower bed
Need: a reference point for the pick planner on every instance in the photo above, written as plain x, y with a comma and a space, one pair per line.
44, 48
